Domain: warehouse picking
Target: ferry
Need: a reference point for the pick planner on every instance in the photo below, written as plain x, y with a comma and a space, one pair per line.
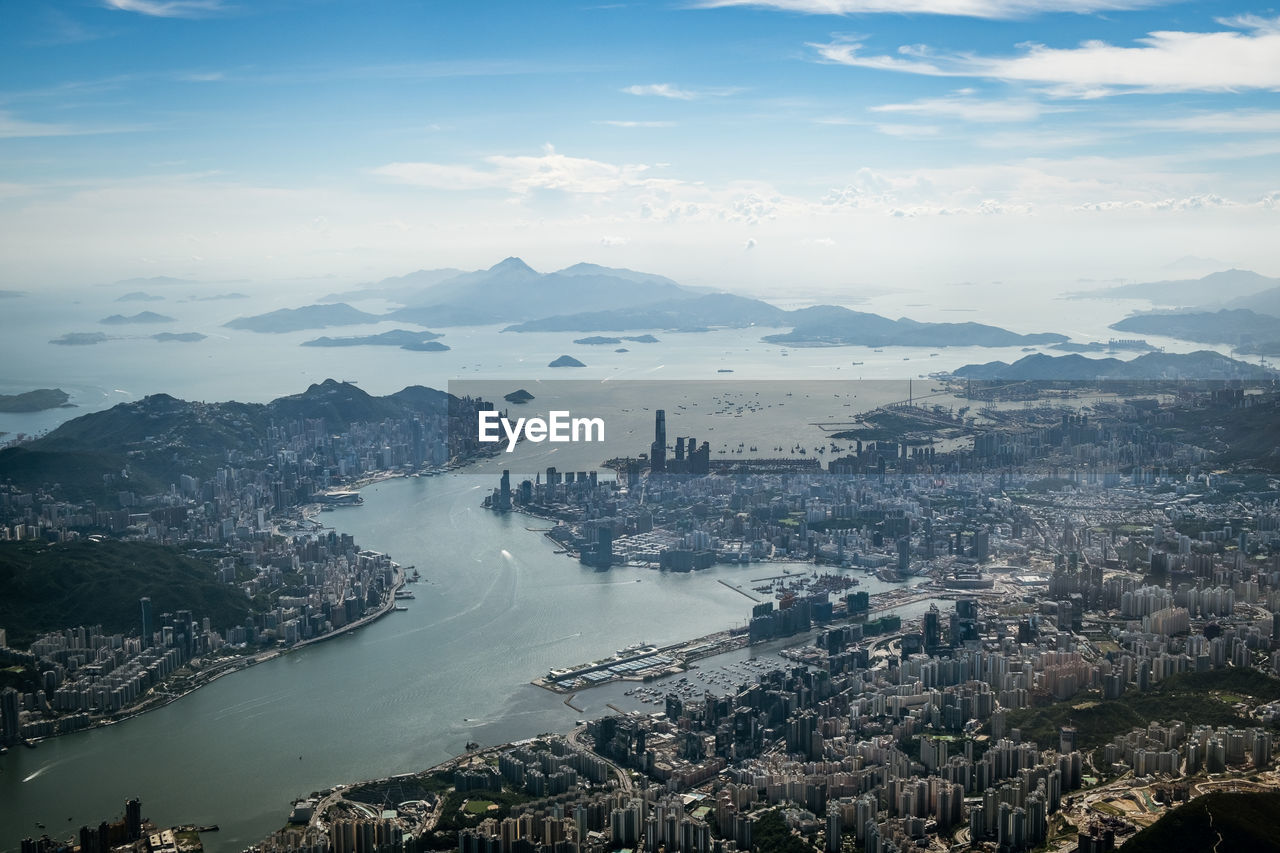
405, 594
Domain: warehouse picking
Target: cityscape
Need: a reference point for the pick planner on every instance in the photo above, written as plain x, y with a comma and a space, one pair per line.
694, 426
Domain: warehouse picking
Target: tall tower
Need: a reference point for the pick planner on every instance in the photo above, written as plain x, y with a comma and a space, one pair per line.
9, 709
658, 450
504, 491
148, 627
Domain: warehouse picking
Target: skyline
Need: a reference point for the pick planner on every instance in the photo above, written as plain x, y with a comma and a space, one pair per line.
784, 146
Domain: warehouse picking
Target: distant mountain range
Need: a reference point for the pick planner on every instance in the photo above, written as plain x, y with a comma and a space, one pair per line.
1264, 302
607, 299
511, 290
1203, 364
822, 325
1212, 289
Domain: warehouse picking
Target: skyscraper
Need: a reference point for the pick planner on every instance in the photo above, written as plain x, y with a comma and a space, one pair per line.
8, 715
147, 625
658, 450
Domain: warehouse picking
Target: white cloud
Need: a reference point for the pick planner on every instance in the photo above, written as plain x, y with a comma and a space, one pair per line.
168, 8
667, 90
1230, 121
969, 109
996, 9
617, 123
750, 244
909, 131
610, 241
523, 174
16, 128
1164, 61
1195, 202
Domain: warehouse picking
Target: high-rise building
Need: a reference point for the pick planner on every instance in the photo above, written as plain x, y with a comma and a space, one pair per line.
504, 491
658, 450
148, 625
133, 819
9, 715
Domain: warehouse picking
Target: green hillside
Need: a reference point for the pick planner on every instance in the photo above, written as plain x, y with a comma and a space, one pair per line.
1220, 821
1193, 697
46, 587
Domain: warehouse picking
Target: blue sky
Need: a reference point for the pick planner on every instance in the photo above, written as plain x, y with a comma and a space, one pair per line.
725, 143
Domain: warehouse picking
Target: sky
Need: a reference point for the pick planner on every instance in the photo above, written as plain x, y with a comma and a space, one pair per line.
773, 147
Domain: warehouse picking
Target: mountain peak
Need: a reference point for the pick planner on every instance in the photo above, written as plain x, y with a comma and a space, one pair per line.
512, 264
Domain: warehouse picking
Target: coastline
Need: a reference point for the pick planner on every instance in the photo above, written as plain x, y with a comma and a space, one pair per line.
219, 669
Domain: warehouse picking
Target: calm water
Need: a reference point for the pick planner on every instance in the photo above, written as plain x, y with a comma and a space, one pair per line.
254, 367
496, 608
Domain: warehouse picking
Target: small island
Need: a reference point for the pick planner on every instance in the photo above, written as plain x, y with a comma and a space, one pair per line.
34, 401
402, 338
139, 296
140, 317
566, 361
179, 337
602, 340
80, 339
518, 397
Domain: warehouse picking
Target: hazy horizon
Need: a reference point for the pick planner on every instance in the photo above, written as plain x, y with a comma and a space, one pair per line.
789, 148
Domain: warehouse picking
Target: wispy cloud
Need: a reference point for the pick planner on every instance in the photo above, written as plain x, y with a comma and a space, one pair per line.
667, 90
618, 123
1230, 121
1164, 61
909, 131
16, 128
994, 9
967, 108
61, 28
549, 170
168, 8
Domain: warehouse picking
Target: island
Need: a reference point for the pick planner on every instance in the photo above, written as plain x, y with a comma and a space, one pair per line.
34, 401
566, 361
1239, 327
1203, 364
402, 338
518, 397
179, 337
601, 340
80, 339
301, 319
140, 317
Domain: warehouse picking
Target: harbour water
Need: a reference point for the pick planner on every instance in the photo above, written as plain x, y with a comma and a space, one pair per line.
495, 608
